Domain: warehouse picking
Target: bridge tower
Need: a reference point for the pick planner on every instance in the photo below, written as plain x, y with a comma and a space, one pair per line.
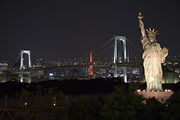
116, 39
91, 67
22, 58
123, 39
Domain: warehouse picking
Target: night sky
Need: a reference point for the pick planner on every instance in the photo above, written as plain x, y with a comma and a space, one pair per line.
66, 29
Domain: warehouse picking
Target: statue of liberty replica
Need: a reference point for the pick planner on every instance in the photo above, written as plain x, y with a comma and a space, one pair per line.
153, 56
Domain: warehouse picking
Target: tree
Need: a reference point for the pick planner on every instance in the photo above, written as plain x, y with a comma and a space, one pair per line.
174, 106
84, 108
124, 105
154, 110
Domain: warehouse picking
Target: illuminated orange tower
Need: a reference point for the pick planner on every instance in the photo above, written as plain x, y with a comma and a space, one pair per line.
91, 67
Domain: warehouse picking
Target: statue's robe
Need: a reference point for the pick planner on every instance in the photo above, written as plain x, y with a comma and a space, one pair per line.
152, 64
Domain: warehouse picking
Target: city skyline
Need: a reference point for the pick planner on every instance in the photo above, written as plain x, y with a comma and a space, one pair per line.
68, 29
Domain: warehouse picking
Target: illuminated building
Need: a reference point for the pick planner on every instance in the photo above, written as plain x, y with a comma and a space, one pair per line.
91, 67
3, 66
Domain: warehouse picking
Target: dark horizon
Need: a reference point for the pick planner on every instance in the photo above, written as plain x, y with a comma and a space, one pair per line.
70, 29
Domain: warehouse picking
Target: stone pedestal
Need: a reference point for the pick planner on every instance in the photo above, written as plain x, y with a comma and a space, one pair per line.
161, 96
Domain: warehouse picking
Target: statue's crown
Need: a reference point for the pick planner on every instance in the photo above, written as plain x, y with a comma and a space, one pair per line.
152, 31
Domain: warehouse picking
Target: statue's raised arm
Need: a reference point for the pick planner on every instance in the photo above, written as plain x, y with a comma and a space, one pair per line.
141, 25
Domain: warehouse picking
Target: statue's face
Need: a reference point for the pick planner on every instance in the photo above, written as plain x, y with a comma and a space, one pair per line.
152, 37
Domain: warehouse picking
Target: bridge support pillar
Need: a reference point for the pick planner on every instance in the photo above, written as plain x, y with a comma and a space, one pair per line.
22, 58
115, 71
125, 74
123, 39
